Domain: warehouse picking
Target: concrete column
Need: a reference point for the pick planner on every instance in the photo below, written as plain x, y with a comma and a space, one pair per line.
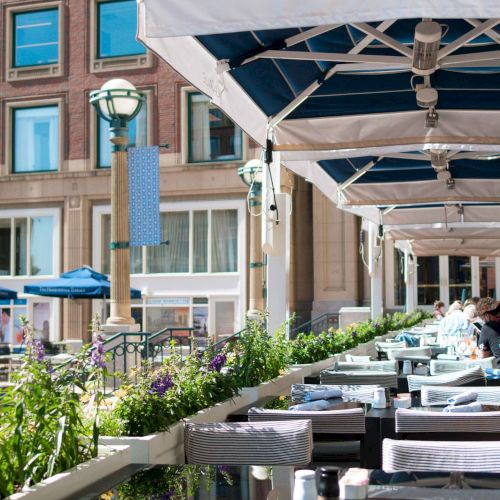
76, 252
120, 313
375, 263
256, 265
278, 266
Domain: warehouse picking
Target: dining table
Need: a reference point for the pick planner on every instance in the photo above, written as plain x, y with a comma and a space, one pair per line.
234, 482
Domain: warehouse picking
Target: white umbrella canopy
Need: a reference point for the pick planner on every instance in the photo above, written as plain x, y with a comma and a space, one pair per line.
335, 86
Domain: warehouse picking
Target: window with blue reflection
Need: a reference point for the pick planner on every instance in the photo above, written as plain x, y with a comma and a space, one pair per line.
117, 26
36, 37
36, 139
137, 136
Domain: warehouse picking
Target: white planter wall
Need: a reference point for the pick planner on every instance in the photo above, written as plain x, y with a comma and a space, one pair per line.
69, 483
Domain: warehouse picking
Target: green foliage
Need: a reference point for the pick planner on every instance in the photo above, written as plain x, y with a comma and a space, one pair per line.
43, 430
309, 348
282, 402
195, 385
257, 356
172, 481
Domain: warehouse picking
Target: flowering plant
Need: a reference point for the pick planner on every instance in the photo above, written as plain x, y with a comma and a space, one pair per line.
156, 398
43, 430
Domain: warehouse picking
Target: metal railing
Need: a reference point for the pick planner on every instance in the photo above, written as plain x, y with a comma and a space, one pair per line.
317, 325
159, 344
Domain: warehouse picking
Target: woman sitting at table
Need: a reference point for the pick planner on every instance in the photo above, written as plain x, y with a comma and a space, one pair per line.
489, 338
454, 325
438, 310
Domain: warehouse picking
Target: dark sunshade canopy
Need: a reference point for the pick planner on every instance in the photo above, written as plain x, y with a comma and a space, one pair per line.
7, 294
83, 282
334, 85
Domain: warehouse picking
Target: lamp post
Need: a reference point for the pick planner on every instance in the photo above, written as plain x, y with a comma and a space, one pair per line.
251, 175
118, 102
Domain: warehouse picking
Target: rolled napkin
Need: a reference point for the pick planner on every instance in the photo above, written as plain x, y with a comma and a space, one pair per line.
321, 404
449, 357
493, 372
470, 408
463, 397
326, 394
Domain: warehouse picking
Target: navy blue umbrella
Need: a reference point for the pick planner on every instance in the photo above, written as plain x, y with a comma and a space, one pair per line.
81, 283
7, 294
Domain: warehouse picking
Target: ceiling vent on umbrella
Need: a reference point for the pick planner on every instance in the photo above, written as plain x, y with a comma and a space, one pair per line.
426, 47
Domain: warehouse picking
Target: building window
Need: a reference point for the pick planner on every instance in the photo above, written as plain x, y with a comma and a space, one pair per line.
428, 280
35, 139
137, 136
11, 330
487, 279
36, 37
34, 43
460, 280
199, 241
399, 278
26, 246
117, 25
212, 136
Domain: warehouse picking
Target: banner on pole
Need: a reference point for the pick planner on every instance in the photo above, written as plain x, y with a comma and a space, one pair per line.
144, 196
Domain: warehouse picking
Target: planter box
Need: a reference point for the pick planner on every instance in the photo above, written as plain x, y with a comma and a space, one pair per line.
168, 447
67, 484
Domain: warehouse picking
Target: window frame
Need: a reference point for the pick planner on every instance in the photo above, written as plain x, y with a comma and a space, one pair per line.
112, 63
52, 70
10, 133
94, 129
29, 213
186, 91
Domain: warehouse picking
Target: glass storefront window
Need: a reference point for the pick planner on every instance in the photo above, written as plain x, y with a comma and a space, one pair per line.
11, 331
41, 246
487, 282
5, 239
428, 280
460, 282
399, 278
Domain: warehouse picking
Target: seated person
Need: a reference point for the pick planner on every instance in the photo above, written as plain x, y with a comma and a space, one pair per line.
489, 338
438, 310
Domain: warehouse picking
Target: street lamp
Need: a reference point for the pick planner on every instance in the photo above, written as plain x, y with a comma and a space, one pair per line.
118, 102
251, 175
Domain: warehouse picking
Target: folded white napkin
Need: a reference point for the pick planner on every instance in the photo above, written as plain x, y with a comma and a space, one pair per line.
470, 408
321, 404
463, 397
450, 357
326, 394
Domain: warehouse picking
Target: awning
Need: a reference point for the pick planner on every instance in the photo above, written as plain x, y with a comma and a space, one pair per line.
334, 85
463, 247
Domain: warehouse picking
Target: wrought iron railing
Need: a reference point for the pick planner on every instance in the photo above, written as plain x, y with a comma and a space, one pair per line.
317, 325
160, 344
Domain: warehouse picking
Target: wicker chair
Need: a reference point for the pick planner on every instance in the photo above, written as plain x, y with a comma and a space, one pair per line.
439, 366
466, 377
438, 396
360, 393
359, 377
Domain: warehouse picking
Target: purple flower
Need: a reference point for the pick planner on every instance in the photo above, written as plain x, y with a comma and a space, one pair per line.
97, 356
222, 469
161, 384
167, 495
218, 362
39, 350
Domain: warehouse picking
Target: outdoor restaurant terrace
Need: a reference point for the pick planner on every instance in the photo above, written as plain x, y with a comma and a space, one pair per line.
392, 111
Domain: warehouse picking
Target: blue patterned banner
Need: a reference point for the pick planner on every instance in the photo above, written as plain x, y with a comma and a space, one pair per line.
144, 196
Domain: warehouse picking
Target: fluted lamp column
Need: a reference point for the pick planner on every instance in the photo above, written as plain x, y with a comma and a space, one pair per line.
119, 102
251, 175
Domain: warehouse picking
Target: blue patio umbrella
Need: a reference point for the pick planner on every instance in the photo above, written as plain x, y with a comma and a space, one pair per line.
81, 283
7, 294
